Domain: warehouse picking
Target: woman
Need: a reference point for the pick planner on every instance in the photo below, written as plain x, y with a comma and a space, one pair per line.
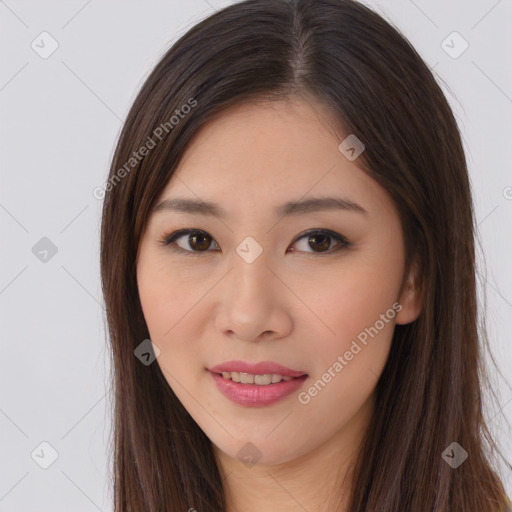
288, 268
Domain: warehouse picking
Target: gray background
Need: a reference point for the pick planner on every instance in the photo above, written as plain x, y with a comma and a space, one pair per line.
60, 117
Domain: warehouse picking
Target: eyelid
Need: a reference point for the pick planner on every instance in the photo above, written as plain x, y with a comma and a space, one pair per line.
168, 239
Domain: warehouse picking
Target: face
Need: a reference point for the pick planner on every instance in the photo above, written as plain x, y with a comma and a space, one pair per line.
316, 290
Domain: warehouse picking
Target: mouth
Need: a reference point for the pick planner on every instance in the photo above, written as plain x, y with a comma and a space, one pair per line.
255, 390
264, 372
267, 379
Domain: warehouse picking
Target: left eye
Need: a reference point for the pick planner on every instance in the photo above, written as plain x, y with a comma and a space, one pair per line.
318, 240
323, 240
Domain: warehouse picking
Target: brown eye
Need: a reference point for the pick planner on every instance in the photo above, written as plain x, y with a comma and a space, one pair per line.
191, 241
319, 242
199, 242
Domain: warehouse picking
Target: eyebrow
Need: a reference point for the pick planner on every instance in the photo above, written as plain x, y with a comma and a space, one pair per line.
288, 209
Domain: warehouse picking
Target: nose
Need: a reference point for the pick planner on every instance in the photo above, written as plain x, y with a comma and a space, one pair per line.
253, 303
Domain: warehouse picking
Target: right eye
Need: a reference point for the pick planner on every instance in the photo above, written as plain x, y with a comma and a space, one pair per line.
198, 240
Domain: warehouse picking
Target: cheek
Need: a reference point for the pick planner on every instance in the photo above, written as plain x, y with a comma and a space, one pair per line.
348, 363
171, 304
363, 329
159, 311
343, 302
165, 295
354, 319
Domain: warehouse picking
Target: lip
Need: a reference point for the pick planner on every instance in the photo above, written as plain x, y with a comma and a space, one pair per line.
253, 395
256, 368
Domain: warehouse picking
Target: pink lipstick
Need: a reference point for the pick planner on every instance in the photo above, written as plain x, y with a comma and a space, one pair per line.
262, 383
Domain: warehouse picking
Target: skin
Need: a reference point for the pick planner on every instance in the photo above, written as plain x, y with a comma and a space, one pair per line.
294, 305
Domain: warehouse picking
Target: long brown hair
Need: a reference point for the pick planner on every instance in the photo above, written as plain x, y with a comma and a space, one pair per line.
430, 393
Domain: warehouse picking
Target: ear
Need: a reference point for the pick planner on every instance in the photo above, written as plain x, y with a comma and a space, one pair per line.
410, 299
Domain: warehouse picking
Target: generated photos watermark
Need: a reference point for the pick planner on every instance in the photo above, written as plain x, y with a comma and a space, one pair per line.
304, 397
158, 133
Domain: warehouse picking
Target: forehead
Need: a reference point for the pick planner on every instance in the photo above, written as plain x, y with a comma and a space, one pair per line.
260, 155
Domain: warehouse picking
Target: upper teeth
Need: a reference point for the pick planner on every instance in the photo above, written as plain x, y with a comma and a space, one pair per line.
249, 378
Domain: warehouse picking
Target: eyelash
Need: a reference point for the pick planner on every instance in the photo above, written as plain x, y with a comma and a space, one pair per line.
168, 239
